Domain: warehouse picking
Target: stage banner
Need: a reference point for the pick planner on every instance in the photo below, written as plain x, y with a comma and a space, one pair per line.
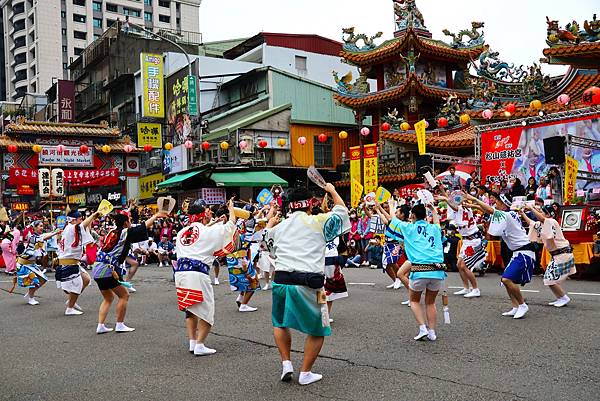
356, 191
153, 92
149, 134
74, 178
355, 160
571, 168
370, 181
421, 139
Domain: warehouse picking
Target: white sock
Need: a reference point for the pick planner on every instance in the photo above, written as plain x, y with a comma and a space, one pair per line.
398, 281
309, 377
192, 345
423, 328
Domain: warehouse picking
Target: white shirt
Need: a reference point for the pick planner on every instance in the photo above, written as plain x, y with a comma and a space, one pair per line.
508, 226
200, 242
150, 247
298, 242
67, 248
464, 221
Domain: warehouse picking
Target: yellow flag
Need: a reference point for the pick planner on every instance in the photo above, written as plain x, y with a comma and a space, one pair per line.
420, 131
356, 191
382, 195
571, 167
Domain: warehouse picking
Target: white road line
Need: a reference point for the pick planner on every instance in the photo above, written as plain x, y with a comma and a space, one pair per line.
529, 290
361, 283
583, 293
455, 287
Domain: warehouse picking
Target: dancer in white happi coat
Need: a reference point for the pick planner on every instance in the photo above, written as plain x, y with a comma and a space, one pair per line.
197, 246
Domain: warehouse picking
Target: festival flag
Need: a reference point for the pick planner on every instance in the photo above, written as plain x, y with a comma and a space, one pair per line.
370, 180
420, 131
356, 191
355, 160
571, 167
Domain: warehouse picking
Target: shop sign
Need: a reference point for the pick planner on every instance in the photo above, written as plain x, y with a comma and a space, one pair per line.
20, 206
153, 85
78, 199
70, 157
25, 190
66, 101
148, 185
149, 134
214, 196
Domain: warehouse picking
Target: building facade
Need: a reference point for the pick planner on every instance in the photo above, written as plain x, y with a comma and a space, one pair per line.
41, 38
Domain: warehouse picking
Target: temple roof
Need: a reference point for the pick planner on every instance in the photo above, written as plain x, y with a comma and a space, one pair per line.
430, 47
398, 92
115, 145
48, 128
464, 137
582, 55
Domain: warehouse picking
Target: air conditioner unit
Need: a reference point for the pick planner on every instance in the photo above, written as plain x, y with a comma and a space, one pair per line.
250, 141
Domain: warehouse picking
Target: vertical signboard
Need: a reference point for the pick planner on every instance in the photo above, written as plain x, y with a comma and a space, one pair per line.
571, 168
355, 160
182, 102
153, 85
420, 132
370, 181
192, 96
58, 182
149, 134
66, 101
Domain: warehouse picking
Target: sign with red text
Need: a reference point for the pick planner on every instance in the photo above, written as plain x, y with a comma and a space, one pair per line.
70, 157
74, 178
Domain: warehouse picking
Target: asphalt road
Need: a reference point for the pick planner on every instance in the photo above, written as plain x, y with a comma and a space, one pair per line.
551, 354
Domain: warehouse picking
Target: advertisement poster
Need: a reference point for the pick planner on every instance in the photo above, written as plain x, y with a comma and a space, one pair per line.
370, 181
178, 108
214, 196
153, 87
179, 161
519, 152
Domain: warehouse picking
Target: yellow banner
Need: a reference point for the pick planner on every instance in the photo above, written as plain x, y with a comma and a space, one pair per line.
149, 133
354, 169
148, 184
153, 93
571, 167
356, 191
78, 199
370, 180
420, 131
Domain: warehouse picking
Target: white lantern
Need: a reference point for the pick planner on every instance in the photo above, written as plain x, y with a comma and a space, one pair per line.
44, 182
58, 182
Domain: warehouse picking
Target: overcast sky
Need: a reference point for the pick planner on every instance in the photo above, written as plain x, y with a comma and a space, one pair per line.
516, 29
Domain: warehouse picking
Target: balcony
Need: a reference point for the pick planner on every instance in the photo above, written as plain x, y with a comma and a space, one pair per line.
17, 11
91, 97
19, 59
20, 67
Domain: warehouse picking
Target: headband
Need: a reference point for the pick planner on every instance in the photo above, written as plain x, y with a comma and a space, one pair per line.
301, 204
505, 200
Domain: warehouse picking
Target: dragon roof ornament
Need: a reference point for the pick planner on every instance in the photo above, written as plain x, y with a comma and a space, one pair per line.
352, 39
408, 15
571, 34
476, 38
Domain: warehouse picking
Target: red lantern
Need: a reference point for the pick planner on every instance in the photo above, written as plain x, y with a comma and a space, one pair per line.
262, 143
12, 148
322, 138
60, 148
591, 96
385, 127
442, 122
205, 145
83, 149
510, 108
148, 147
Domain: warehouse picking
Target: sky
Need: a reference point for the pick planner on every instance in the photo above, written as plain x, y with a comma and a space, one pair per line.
516, 29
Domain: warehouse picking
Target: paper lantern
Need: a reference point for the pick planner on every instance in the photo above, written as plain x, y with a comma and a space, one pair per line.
148, 147
343, 135
83, 149
487, 114
510, 108
535, 104
563, 99
224, 145
322, 138
60, 148
168, 146
205, 145
442, 122
128, 148
12, 148
385, 127
364, 131
405, 126
426, 124
188, 144
36, 148
464, 119
106, 149
591, 97
302, 140
281, 142
243, 145
507, 114
262, 144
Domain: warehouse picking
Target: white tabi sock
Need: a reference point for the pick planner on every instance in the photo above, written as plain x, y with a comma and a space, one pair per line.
192, 345
200, 350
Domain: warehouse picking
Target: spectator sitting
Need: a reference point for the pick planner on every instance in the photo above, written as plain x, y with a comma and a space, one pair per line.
374, 252
517, 189
165, 251
531, 188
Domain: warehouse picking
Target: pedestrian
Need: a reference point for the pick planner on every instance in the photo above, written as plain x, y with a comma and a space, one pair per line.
299, 302
10, 238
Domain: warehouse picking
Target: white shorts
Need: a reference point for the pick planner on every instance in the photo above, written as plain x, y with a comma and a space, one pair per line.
422, 284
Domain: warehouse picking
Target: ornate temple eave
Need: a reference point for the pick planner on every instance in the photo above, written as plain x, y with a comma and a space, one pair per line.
461, 138
582, 55
397, 93
393, 47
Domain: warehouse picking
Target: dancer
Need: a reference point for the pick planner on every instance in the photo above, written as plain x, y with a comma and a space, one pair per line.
335, 284
70, 276
507, 224
108, 271
423, 245
196, 247
29, 275
10, 240
298, 247
242, 278
392, 249
548, 231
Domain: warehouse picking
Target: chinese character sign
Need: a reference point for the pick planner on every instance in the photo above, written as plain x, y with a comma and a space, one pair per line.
192, 96
58, 182
70, 157
356, 191
214, 196
420, 131
66, 101
153, 85
571, 168
370, 181
149, 133
44, 182
148, 185
355, 160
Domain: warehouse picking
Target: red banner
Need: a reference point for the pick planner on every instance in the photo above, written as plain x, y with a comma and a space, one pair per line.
499, 151
75, 178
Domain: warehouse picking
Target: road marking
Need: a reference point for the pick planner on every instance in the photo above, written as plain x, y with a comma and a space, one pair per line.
583, 293
361, 283
455, 287
530, 291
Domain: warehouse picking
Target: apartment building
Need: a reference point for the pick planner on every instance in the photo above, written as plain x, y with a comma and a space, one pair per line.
42, 37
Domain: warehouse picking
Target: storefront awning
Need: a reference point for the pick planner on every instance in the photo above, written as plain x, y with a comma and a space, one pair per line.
247, 179
178, 179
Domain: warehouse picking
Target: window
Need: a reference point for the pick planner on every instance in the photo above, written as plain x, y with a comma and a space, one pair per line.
147, 16
20, 42
300, 63
97, 36
65, 66
164, 18
64, 49
32, 69
79, 2
164, 3
132, 12
110, 22
96, 6
19, 25
97, 22
148, 2
79, 35
32, 52
78, 51
63, 14
79, 18
64, 32
112, 7
323, 153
